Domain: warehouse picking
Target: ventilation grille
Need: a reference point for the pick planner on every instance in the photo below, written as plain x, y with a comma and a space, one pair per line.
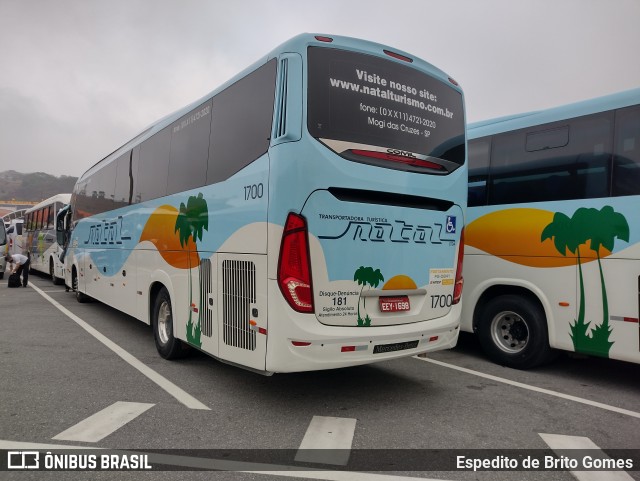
206, 319
281, 123
238, 293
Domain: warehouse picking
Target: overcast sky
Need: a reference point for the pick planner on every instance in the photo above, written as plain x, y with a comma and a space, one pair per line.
78, 78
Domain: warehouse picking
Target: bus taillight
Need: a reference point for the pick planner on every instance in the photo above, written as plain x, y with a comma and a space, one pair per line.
457, 290
404, 58
294, 269
403, 159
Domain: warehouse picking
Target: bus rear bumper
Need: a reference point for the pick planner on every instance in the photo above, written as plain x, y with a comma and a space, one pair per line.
298, 342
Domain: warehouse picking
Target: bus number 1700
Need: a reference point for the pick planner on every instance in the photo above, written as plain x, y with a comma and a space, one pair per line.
441, 301
253, 191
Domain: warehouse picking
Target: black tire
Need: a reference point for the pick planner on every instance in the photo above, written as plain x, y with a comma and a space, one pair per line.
56, 280
1, 275
80, 296
512, 331
162, 321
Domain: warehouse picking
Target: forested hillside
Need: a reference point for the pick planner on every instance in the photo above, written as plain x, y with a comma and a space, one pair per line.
33, 187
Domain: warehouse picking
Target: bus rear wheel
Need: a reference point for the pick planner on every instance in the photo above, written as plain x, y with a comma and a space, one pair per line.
162, 319
512, 331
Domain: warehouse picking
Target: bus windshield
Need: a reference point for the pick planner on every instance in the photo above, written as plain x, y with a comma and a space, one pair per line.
370, 104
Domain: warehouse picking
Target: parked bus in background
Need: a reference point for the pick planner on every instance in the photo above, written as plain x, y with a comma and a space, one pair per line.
40, 235
306, 215
3, 243
16, 214
553, 235
15, 239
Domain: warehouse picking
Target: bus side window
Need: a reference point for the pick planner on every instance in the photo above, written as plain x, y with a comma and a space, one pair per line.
190, 150
541, 165
479, 151
80, 200
51, 218
626, 166
153, 166
104, 182
237, 139
126, 176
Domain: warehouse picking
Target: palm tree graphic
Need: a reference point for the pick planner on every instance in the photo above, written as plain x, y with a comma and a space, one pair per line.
192, 220
366, 276
600, 228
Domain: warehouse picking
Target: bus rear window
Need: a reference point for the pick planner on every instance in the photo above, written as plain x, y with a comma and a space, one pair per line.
369, 101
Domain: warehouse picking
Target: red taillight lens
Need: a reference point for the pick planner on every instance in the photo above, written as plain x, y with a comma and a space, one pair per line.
294, 268
404, 58
457, 290
374, 154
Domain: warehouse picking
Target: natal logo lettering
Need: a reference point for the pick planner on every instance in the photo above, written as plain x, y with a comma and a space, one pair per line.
106, 233
399, 231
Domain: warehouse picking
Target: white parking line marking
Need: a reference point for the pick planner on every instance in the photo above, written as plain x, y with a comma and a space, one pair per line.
103, 423
181, 395
235, 466
558, 442
596, 404
327, 440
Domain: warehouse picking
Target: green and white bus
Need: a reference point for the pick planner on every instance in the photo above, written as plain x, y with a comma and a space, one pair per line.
40, 235
3, 243
552, 255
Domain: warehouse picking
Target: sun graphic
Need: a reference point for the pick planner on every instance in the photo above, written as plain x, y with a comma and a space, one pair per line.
515, 236
399, 282
161, 232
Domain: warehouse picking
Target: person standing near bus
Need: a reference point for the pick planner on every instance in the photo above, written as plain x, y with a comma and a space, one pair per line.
21, 266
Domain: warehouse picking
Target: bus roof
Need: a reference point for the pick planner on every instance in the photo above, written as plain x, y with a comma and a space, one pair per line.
529, 119
64, 198
298, 43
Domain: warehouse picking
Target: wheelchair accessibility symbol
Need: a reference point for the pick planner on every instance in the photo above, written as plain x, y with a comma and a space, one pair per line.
451, 224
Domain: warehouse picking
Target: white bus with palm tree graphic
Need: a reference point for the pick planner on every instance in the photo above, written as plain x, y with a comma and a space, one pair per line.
553, 239
308, 214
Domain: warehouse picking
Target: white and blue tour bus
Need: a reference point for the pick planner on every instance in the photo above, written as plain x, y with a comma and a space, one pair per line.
307, 214
552, 255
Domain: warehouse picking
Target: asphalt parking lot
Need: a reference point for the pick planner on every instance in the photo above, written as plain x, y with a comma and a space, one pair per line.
64, 363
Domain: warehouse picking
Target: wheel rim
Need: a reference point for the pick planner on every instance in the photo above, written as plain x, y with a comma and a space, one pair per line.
164, 322
510, 332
